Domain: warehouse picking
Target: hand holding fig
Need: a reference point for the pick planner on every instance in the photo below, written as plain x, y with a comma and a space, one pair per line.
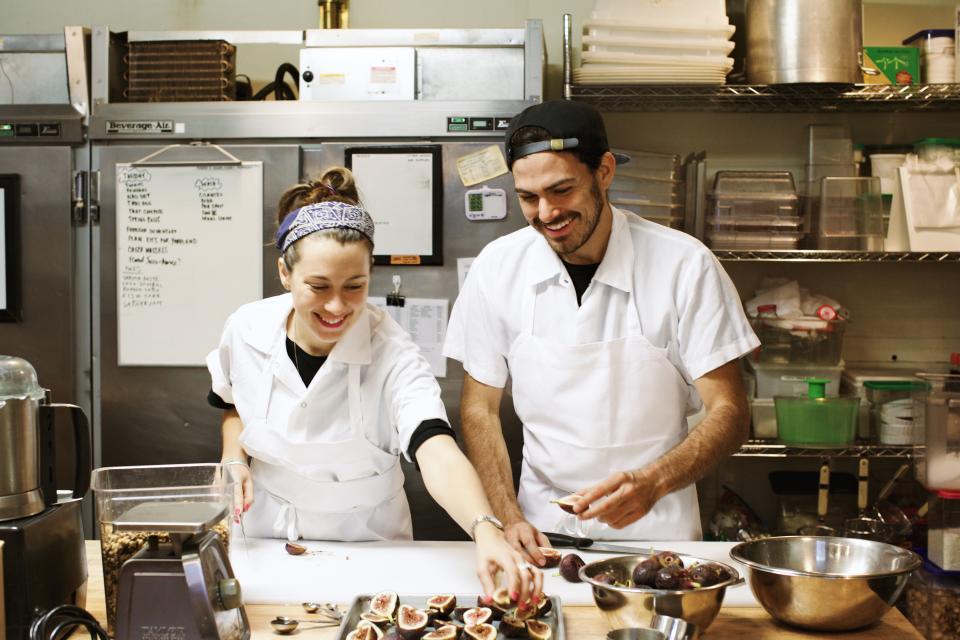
243, 494
624, 498
494, 554
525, 538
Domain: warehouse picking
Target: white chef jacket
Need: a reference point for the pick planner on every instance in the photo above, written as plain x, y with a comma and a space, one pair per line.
397, 390
688, 304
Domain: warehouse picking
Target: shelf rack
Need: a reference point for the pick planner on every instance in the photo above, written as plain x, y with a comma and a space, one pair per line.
773, 449
834, 256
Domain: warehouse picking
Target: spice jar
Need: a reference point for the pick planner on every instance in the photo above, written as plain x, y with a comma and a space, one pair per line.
943, 539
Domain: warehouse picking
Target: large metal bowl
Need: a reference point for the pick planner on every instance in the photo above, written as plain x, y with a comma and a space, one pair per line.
634, 607
825, 583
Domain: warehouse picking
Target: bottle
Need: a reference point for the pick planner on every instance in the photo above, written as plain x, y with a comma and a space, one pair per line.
953, 382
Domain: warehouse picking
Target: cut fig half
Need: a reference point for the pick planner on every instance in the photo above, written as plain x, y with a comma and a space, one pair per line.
567, 502
481, 632
552, 557
501, 597
442, 604
295, 549
511, 627
446, 632
365, 631
539, 630
375, 618
545, 605
477, 616
385, 603
411, 622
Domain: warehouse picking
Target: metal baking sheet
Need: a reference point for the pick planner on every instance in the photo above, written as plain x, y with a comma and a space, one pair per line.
361, 603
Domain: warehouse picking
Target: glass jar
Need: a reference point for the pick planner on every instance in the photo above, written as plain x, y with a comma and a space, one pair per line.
943, 539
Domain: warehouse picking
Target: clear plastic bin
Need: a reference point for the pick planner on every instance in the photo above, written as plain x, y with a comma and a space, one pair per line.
891, 411
938, 408
804, 340
943, 537
850, 214
829, 144
746, 240
662, 191
119, 489
933, 605
647, 164
763, 418
789, 380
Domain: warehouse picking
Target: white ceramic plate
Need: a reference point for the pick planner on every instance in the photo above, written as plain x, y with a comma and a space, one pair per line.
659, 46
618, 28
713, 62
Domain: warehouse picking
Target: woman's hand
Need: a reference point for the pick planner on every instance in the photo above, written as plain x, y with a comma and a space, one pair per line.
243, 494
494, 554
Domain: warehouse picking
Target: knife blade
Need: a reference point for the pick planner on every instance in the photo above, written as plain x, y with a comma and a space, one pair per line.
588, 545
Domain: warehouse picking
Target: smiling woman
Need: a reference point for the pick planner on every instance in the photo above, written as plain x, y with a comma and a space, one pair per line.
322, 392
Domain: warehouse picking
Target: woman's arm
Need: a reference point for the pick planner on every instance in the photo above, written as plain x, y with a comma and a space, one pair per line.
454, 484
236, 458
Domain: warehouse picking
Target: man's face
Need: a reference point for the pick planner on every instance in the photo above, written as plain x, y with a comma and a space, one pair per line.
562, 199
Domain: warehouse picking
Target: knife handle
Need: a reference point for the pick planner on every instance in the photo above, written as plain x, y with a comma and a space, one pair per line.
563, 540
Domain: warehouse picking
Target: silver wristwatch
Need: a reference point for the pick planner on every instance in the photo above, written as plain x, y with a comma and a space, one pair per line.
484, 518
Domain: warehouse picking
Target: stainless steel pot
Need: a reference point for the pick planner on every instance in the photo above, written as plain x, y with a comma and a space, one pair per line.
798, 41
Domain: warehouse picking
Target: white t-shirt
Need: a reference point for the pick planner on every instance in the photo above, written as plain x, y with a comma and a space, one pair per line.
398, 389
686, 301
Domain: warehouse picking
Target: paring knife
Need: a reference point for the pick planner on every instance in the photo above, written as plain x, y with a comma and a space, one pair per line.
588, 545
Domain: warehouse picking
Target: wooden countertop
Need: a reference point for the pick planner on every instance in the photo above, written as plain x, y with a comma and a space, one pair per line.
582, 622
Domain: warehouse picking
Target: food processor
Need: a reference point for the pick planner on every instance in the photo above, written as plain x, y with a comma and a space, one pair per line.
166, 569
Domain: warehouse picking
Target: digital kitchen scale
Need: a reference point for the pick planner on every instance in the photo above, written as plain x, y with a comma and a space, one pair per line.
183, 589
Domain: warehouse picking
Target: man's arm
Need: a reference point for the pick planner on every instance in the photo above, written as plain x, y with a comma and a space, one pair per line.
631, 494
487, 450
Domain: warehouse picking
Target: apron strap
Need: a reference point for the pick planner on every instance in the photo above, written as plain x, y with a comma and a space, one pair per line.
354, 399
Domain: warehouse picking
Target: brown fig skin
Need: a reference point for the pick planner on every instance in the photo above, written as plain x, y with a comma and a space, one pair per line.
512, 627
545, 605
668, 558
566, 502
295, 549
704, 575
551, 557
480, 632
538, 630
570, 567
645, 573
446, 632
380, 621
365, 631
411, 622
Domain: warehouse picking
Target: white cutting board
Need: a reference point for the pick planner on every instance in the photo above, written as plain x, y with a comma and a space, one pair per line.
339, 571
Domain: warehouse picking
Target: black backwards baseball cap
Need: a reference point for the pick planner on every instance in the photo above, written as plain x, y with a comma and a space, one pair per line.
573, 125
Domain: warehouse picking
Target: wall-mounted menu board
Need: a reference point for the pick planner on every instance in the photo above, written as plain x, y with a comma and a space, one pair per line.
189, 253
402, 188
9, 248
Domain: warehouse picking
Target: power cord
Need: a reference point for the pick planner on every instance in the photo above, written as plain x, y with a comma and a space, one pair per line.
59, 622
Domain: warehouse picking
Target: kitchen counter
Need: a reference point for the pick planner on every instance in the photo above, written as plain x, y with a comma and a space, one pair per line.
583, 622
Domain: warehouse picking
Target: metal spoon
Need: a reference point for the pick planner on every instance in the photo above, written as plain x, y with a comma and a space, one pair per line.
285, 625
326, 609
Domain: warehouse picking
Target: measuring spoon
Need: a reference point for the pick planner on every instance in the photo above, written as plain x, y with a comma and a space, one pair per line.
285, 625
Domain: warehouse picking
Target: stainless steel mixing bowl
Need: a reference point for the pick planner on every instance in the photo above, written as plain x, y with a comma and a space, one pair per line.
825, 583
634, 607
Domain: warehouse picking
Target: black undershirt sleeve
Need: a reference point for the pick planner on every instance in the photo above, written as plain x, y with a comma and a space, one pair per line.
426, 430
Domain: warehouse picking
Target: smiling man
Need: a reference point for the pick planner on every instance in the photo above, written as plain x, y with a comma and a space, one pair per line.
612, 329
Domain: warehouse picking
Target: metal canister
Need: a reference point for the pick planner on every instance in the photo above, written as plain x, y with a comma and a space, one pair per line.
800, 41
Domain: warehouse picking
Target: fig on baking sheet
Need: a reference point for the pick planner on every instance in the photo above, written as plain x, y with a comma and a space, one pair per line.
385, 603
481, 632
442, 604
375, 618
525, 611
512, 627
501, 598
446, 632
477, 615
567, 502
411, 622
545, 605
365, 631
539, 630
552, 557
570, 567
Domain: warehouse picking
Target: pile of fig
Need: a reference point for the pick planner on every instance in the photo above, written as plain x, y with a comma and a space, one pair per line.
663, 570
441, 619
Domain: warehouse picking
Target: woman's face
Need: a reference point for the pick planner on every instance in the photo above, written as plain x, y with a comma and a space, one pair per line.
329, 285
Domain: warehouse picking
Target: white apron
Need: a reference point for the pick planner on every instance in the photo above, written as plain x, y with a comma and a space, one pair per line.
348, 489
590, 410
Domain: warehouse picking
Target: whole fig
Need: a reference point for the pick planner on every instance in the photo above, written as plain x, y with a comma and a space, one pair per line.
645, 573
570, 567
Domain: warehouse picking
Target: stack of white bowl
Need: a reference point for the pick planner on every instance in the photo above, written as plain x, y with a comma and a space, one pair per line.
656, 42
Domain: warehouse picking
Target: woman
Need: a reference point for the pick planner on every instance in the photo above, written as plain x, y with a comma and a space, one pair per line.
322, 391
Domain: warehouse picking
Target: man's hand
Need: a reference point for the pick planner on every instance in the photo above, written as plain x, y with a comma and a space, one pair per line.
619, 500
525, 538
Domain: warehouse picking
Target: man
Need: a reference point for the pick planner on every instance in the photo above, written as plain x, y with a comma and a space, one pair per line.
612, 330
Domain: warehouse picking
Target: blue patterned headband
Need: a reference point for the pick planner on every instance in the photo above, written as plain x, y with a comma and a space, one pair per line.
322, 216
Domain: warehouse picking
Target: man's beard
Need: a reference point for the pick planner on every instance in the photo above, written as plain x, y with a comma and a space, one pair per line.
572, 243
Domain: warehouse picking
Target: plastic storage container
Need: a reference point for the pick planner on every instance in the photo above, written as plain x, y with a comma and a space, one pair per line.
891, 411
647, 164
850, 214
763, 416
938, 408
790, 380
943, 536
853, 381
933, 149
933, 605
937, 54
754, 209
119, 489
816, 420
804, 340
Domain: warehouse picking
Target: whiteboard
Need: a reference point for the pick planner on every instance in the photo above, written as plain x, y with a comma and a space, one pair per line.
399, 187
189, 253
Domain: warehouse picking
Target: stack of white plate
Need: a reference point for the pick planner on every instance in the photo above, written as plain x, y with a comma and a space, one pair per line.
656, 42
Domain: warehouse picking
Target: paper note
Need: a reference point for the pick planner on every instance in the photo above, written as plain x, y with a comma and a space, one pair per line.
481, 166
425, 319
463, 268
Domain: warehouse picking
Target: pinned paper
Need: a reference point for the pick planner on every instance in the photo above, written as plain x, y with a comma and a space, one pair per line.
481, 166
425, 319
